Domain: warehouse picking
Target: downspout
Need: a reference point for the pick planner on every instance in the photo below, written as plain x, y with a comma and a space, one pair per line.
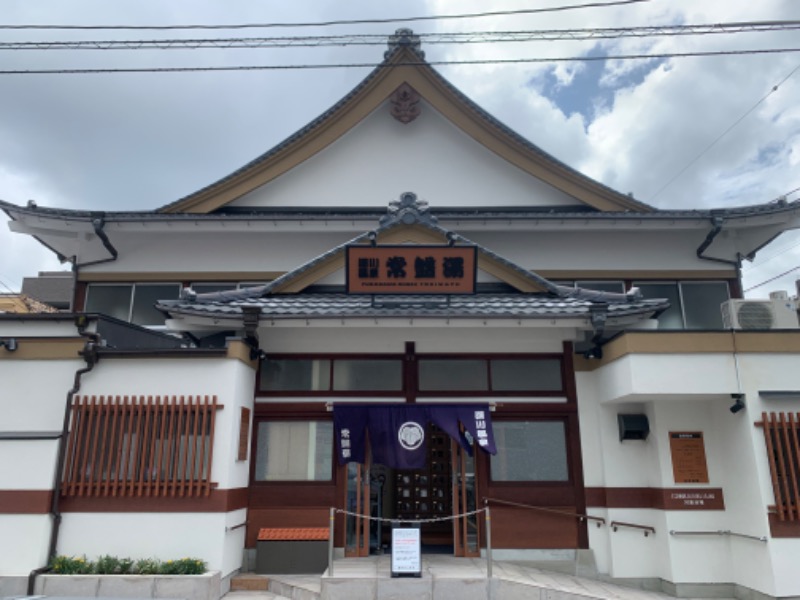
89, 354
717, 223
98, 222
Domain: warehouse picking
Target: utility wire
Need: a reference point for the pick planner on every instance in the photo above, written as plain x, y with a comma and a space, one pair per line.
499, 13
421, 63
724, 133
771, 279
474, 37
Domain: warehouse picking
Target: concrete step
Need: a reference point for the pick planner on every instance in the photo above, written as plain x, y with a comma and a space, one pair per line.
253, 595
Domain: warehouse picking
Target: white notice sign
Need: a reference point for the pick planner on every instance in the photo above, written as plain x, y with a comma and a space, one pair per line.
406, 552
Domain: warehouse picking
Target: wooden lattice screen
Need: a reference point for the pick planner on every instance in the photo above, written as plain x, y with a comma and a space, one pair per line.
140, 446
783, 449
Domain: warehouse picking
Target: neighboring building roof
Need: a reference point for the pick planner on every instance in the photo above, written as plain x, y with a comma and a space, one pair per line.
404, 64
51, 287
21, 303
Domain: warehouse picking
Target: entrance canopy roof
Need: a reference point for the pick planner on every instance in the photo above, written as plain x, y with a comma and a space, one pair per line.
408, 221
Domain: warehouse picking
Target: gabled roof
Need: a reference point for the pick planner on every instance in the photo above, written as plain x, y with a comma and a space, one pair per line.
409, 221
404, 64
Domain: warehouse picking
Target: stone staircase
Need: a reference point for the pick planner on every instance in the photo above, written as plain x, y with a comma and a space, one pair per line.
443, 578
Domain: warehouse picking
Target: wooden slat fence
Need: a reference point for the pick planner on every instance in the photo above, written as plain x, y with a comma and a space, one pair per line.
137, 446
783, 450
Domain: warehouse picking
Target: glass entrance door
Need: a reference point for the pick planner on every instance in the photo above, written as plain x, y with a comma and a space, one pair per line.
466, 533
357, 505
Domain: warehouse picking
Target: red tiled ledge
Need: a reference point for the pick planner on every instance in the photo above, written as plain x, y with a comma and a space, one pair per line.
291, 534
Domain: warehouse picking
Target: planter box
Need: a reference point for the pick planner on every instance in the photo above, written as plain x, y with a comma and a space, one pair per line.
187, 587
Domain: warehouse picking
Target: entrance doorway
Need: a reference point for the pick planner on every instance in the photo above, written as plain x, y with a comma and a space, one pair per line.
441, 497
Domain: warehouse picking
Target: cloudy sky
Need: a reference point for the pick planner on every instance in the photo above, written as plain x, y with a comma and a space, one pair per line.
691, 132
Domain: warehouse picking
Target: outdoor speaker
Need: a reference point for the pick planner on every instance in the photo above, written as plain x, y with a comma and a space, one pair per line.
633, 427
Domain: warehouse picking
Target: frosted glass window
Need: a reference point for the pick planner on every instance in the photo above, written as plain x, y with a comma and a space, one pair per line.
294, 451
295, 375
701, 304
530, 451
519, 375
144, 298
367, 375
672, 318
111, 300
453, 374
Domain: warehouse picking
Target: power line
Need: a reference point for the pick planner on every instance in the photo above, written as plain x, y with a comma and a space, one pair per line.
421, 63
724, 133
499, 13
474, 37
771, 279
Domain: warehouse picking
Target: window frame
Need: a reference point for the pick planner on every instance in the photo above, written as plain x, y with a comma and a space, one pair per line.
131, 295
542, 483
256, 435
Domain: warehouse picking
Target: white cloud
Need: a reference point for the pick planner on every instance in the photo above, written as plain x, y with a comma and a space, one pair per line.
131, 142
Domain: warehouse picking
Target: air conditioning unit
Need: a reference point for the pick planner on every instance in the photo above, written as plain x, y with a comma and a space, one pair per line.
776, 313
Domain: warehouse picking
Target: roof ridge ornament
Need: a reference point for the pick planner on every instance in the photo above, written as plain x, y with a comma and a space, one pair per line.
408, 210
404, 38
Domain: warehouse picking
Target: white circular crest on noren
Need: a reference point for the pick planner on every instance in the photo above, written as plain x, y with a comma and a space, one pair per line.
410, 435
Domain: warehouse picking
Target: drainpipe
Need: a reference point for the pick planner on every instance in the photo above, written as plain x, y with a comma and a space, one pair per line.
717, 223
98, 222
89, 354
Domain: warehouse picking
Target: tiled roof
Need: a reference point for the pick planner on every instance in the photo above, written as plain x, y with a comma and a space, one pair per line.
322, 306
398, 46
342, 214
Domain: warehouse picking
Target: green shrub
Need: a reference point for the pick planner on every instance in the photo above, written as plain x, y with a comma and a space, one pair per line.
146, 566
71, 565
113, 565
184, 566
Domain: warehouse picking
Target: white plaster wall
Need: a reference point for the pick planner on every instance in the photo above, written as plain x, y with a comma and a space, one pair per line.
684, 394
34, 328
35, 393
26, 464
381, 340
641, 376
23, 543
283, 247
380, 158
165, 536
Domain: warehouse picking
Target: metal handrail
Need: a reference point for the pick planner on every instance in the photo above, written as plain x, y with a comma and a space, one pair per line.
762, 538
581, 517
646, 528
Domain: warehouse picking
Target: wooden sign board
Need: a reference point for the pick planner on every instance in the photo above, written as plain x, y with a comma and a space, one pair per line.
411, 269
693, 499
688, 457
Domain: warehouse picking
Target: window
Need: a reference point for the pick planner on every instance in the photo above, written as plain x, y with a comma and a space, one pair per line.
134, 303
781, 433
294, 451
329, 375
494, 375
140, 447
529, 451
693, 304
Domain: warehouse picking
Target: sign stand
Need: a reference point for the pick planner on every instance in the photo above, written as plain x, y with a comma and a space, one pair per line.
406, 552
